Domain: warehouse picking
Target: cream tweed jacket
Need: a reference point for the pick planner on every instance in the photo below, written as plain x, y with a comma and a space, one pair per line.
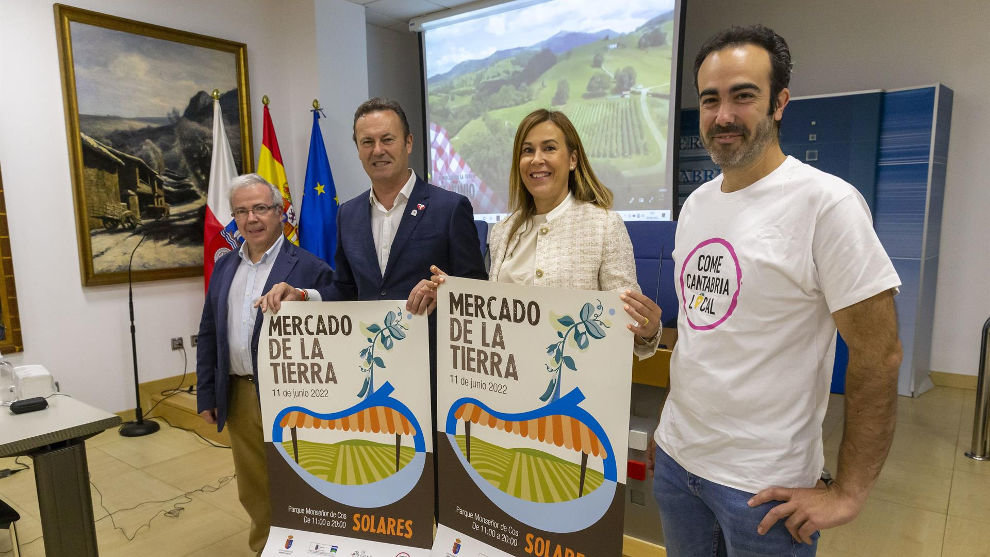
585, 247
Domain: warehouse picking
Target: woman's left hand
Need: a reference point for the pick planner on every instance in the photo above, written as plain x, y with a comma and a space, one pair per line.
645, 314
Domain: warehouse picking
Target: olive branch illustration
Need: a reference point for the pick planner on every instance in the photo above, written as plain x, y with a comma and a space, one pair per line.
589, 325
383, 335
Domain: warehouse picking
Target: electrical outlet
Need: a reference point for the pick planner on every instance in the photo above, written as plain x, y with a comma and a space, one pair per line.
193, 340
176, 343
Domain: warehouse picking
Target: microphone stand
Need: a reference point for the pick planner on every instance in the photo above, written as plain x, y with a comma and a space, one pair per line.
138, 427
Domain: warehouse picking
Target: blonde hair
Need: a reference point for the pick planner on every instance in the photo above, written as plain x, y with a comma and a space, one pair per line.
582, 181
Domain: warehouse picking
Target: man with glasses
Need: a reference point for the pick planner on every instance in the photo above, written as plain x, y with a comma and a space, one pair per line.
227, 351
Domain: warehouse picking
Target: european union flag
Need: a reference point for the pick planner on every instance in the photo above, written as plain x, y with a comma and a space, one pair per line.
318, 218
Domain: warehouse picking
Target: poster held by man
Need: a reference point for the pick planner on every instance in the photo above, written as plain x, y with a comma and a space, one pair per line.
345, 404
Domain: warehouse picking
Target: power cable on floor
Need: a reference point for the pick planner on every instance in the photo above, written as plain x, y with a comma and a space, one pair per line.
7, 472
194, 432
169, 393
21, 546
174, 512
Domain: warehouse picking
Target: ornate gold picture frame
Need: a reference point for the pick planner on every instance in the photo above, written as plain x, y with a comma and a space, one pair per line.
139, 123
10, 323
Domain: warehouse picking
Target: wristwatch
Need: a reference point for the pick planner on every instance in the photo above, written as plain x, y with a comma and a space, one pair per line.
653, 338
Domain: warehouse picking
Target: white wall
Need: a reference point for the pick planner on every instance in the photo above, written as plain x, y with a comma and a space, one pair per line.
851, 45
343, 54
82, 334
395, 71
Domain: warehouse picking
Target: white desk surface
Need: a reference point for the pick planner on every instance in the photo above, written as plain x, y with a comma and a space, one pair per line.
65, 418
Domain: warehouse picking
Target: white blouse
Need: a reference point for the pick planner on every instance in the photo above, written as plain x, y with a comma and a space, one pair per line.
519, 267
579, 245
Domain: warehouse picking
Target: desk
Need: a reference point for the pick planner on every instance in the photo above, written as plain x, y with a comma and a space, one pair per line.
54, 438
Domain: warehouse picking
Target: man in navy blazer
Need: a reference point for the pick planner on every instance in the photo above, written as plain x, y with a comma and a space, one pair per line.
388, 236
227, 350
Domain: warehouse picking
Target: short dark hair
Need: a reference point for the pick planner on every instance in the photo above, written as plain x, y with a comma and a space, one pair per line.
761, 36
379, 104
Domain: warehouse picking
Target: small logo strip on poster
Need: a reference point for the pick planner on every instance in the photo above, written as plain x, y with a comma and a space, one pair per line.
286, 548
317, 548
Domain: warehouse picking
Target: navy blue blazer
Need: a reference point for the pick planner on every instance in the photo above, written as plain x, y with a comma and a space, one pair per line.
441, 233
293, 265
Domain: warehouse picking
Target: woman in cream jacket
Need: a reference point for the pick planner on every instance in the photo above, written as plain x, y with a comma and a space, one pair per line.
561, 231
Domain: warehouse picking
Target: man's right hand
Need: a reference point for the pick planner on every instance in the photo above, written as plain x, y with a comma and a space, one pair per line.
281, 292
423, 298
209, 416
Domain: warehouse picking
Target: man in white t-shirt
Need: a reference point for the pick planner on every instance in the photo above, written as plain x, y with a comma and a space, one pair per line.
770, 258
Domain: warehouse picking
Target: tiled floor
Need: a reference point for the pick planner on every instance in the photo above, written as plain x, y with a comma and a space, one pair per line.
170, 494
930, 499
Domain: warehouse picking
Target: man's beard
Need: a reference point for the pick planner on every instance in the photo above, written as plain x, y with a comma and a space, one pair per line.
742, 155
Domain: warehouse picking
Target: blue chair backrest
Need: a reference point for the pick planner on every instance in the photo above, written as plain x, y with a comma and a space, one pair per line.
482, 228
653, 245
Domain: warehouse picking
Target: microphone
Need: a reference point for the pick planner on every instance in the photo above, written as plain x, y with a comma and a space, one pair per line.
138, 427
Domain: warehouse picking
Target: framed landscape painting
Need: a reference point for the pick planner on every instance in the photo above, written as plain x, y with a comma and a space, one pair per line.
139, 120
10, 323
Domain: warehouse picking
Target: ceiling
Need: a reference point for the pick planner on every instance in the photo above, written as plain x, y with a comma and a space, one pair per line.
395, 14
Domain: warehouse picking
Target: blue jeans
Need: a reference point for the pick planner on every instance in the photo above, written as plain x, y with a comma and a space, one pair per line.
705, 519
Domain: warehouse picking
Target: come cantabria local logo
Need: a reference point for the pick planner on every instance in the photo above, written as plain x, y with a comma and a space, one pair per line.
710, 281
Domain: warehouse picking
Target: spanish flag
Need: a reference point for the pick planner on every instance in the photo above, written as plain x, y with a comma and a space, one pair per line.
270, 168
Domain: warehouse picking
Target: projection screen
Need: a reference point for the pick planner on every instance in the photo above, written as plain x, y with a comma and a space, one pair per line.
610, 66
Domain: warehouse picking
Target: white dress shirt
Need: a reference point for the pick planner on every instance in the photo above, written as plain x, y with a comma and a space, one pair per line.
519, 267
249, 281
384, 222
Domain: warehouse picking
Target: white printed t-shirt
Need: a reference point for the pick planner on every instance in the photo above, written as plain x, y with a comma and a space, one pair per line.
758, 274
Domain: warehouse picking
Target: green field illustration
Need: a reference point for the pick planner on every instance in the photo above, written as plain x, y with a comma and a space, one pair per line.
353, 462
528, 474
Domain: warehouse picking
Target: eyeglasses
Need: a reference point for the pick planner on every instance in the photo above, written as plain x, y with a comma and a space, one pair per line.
258, 210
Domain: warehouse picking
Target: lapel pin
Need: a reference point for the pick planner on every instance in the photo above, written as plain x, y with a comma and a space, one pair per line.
420, 206
413, 212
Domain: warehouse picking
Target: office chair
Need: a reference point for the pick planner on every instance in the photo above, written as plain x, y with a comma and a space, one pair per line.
8, 516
